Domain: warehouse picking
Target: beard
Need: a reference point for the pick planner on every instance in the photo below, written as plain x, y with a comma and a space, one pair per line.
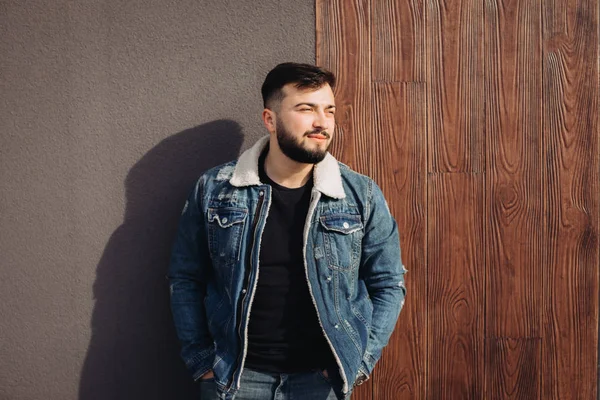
293, 148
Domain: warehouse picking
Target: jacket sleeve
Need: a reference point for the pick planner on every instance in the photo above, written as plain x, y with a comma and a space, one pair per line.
383, 273
189, 269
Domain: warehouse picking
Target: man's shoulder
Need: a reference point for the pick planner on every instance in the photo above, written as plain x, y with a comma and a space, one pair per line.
217, 175
352, 177
222, 172
361, 187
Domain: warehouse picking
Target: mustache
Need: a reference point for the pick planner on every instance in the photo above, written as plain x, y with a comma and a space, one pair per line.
317, 132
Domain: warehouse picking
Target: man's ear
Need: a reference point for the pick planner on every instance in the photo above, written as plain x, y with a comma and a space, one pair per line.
268, 117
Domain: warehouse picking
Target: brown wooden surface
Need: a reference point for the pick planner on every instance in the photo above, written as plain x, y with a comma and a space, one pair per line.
571, 150
455, 281
516, 236
479, 120
454, 76
398, 39
399, 118
343, 29
513, 368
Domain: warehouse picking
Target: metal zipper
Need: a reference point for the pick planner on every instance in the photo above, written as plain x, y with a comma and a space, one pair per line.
247, 274
313, 205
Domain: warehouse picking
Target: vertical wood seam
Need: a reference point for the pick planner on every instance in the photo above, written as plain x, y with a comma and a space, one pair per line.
598, 192
425, 138
427, 188
543, 152
544, 188
486, 210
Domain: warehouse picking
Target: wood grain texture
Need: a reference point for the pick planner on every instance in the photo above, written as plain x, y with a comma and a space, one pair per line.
398, 40
343, 46
454, 76
516, 238
455, 275
398, 165
570, 310
513, 369
500, 146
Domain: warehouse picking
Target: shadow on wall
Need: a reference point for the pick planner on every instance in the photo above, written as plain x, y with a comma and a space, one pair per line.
133, 352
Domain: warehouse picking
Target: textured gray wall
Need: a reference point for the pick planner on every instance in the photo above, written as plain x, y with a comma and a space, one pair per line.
109, 110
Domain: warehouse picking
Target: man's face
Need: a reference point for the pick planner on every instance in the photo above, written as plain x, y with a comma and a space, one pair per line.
305, 123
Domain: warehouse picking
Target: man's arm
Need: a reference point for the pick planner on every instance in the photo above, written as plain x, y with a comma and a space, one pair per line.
383, 273
189, 270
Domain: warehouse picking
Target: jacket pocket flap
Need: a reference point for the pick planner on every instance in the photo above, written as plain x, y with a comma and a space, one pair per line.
227, 216
343, 223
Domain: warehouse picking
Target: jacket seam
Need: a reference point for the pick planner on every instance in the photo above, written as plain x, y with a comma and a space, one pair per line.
342, 320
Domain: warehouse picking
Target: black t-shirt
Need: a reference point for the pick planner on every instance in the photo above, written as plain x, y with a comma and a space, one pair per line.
284, 334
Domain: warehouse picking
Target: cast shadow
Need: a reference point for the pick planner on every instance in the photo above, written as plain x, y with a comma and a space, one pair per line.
133, 351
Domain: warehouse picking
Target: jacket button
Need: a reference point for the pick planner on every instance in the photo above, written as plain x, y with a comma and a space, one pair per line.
360, 380
244, 291
337, 326
261, 193
224, 220
346, 225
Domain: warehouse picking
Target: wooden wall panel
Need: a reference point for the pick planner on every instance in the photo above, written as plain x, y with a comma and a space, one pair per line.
514, 369
572, 148
398, 38
455, 282
479, 120
399, 166
344, 47
454, 76
516, 237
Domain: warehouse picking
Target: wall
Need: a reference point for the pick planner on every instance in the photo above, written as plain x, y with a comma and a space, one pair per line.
479, 119
109, 111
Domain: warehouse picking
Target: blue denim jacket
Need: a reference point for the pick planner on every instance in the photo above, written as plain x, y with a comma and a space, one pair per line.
351, 256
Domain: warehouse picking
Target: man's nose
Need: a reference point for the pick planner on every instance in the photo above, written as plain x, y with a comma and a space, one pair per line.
320, 120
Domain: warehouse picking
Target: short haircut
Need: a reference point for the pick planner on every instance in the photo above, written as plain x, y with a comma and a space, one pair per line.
305, 76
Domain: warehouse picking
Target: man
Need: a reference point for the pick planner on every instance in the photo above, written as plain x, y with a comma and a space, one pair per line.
285, 278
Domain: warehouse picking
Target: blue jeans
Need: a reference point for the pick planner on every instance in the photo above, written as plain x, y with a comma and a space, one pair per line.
256, 385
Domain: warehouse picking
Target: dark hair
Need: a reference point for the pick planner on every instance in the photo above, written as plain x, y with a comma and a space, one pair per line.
303, 75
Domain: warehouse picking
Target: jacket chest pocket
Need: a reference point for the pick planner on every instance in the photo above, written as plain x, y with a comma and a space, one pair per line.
225, 229
342, 237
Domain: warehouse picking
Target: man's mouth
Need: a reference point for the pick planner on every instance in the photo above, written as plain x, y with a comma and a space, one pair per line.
318, 136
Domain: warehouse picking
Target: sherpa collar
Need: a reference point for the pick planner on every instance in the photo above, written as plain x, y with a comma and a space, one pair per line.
326, 174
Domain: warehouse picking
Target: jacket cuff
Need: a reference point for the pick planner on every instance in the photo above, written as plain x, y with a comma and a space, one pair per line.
361, 377
201, 363
368, 362
365, 369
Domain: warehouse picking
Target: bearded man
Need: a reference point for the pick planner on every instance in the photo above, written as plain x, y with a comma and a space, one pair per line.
285, 277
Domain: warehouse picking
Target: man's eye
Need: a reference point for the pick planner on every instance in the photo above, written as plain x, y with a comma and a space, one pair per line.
305, 109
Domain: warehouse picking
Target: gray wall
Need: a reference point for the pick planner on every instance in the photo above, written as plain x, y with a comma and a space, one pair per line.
109, 111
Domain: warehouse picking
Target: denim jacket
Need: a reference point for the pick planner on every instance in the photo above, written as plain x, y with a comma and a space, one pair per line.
351, 256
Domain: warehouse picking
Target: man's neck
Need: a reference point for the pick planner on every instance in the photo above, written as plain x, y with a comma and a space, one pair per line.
285, 171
